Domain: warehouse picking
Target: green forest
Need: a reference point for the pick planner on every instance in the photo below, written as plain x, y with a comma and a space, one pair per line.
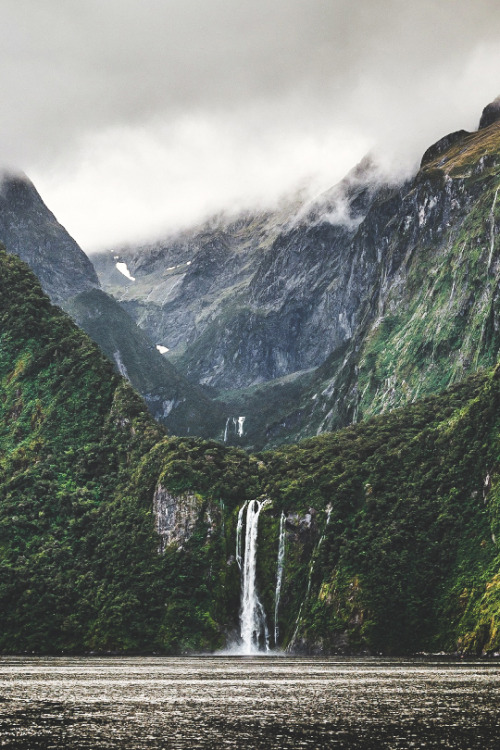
392, 524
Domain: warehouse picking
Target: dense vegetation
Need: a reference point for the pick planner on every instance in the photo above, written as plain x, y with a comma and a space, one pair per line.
407, 561
79, 567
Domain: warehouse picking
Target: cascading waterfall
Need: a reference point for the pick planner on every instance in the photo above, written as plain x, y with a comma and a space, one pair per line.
279, 575
238, 423
253, 626
239, 527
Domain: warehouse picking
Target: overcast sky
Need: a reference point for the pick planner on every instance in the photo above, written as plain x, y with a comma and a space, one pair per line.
134, 117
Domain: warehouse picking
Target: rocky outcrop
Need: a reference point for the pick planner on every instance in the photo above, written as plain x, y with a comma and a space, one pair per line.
28, 229
320, 315
175, 516
491, 114
441, 146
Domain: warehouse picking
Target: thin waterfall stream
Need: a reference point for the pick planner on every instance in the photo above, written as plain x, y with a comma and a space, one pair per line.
239, 527
279, 575
253, 624
225, 430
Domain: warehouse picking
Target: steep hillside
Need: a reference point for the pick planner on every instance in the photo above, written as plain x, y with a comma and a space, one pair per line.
176, 403
320, 316
29, 229
432, 316
80, 459
113, 537
246, 301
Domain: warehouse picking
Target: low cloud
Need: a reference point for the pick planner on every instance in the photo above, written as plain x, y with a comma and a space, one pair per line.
136, 118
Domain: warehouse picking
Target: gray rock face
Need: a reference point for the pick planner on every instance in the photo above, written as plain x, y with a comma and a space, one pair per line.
175, 402
28, 229
491, 114
441, 146
307, 320
311, 317
243, 302
175, 517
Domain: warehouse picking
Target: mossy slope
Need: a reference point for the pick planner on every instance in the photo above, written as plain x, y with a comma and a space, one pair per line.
407, 561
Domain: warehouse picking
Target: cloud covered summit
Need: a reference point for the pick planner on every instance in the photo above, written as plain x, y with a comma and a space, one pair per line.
135, 118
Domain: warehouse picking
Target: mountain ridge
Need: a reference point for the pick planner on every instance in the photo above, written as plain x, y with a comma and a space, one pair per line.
30, 230
332, 294
114, 537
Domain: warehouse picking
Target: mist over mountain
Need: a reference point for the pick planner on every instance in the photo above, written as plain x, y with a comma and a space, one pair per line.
328, 311
137, 122
294, 224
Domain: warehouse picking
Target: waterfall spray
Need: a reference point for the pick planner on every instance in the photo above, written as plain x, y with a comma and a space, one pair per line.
253, 624
279, 575
225, 431
239, 527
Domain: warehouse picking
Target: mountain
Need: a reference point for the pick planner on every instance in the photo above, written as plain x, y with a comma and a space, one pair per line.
114, 537
317, 316
244, 301
30, 230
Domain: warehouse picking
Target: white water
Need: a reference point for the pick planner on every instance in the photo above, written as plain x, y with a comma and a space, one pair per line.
253, 626
119, 364
279, 575
239, 527
492, 229
238, 423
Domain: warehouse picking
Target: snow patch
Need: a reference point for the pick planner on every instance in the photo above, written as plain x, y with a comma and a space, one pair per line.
162, 349
122, 267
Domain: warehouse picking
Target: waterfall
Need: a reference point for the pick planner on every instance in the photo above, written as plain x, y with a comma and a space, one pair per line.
253, 626
238, 423
279, 575
239, 527
492, 229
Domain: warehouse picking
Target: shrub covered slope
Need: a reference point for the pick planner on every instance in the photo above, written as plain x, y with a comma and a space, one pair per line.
391, 525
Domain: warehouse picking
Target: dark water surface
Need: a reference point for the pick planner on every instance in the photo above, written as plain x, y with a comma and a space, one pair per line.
238, 702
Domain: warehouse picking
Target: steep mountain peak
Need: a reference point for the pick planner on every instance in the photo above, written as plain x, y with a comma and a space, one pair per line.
28, 229
491, 114
443, 145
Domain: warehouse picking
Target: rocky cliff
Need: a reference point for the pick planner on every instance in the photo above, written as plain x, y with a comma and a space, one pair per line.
29, 230
320, 315
114, 537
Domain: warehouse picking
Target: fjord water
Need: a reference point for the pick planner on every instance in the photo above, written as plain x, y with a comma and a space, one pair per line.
255, 702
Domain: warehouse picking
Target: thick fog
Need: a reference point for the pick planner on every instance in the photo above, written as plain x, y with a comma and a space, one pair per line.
134, 118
